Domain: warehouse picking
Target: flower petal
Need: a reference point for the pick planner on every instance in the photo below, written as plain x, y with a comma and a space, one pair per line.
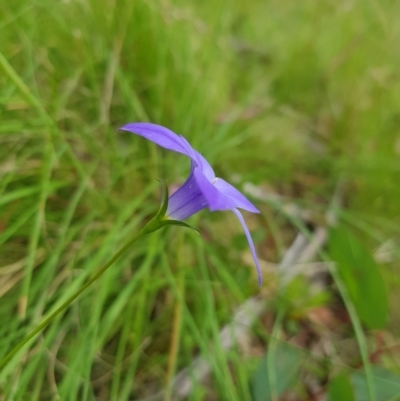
200, 161
187, 200
160, 135
215, 198
169, 140
240, 200
251, 244
222, 196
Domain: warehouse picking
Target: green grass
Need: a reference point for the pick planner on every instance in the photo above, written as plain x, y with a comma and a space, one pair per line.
292, 97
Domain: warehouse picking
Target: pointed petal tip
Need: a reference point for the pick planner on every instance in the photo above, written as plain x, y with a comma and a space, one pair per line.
252, 208
251, 244
128, 127
255, 210
249, 207
125, 127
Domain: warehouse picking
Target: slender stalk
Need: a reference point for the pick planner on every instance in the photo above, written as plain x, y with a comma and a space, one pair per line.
271, 354
151, 226
177, 322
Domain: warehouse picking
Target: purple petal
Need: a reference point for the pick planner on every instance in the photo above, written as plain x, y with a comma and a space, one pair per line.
186, 201
251, 244
240, 200
200, 161
223, 196
215, 198
160, 135
169, 140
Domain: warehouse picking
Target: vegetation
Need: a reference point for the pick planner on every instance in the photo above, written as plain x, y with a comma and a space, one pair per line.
297, 103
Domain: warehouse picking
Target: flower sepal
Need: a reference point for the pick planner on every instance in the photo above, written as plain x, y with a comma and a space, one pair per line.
164, 202
168, 222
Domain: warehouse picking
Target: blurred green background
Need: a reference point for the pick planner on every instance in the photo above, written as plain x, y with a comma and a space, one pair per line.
293, 102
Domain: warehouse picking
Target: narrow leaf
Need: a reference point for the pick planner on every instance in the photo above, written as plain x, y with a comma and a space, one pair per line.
361, 276
286, 367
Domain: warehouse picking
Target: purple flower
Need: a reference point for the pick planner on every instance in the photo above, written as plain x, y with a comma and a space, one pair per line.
202, 188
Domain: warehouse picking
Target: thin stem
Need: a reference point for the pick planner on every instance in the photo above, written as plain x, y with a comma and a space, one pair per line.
177, 322
271, 354
151, 226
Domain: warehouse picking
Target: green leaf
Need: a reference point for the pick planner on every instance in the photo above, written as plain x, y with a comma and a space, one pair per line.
286, 367
340, 389
26, 192
361, 276
386, 385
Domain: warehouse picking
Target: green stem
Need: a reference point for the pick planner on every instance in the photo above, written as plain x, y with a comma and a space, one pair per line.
271, 354
153, 225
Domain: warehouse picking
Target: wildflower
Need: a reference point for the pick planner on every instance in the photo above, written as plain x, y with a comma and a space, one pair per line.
202, 188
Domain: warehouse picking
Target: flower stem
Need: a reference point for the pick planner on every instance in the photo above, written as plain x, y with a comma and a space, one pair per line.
177, 321
153, 225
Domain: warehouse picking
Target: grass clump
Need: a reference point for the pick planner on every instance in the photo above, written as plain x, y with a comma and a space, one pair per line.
291, 98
